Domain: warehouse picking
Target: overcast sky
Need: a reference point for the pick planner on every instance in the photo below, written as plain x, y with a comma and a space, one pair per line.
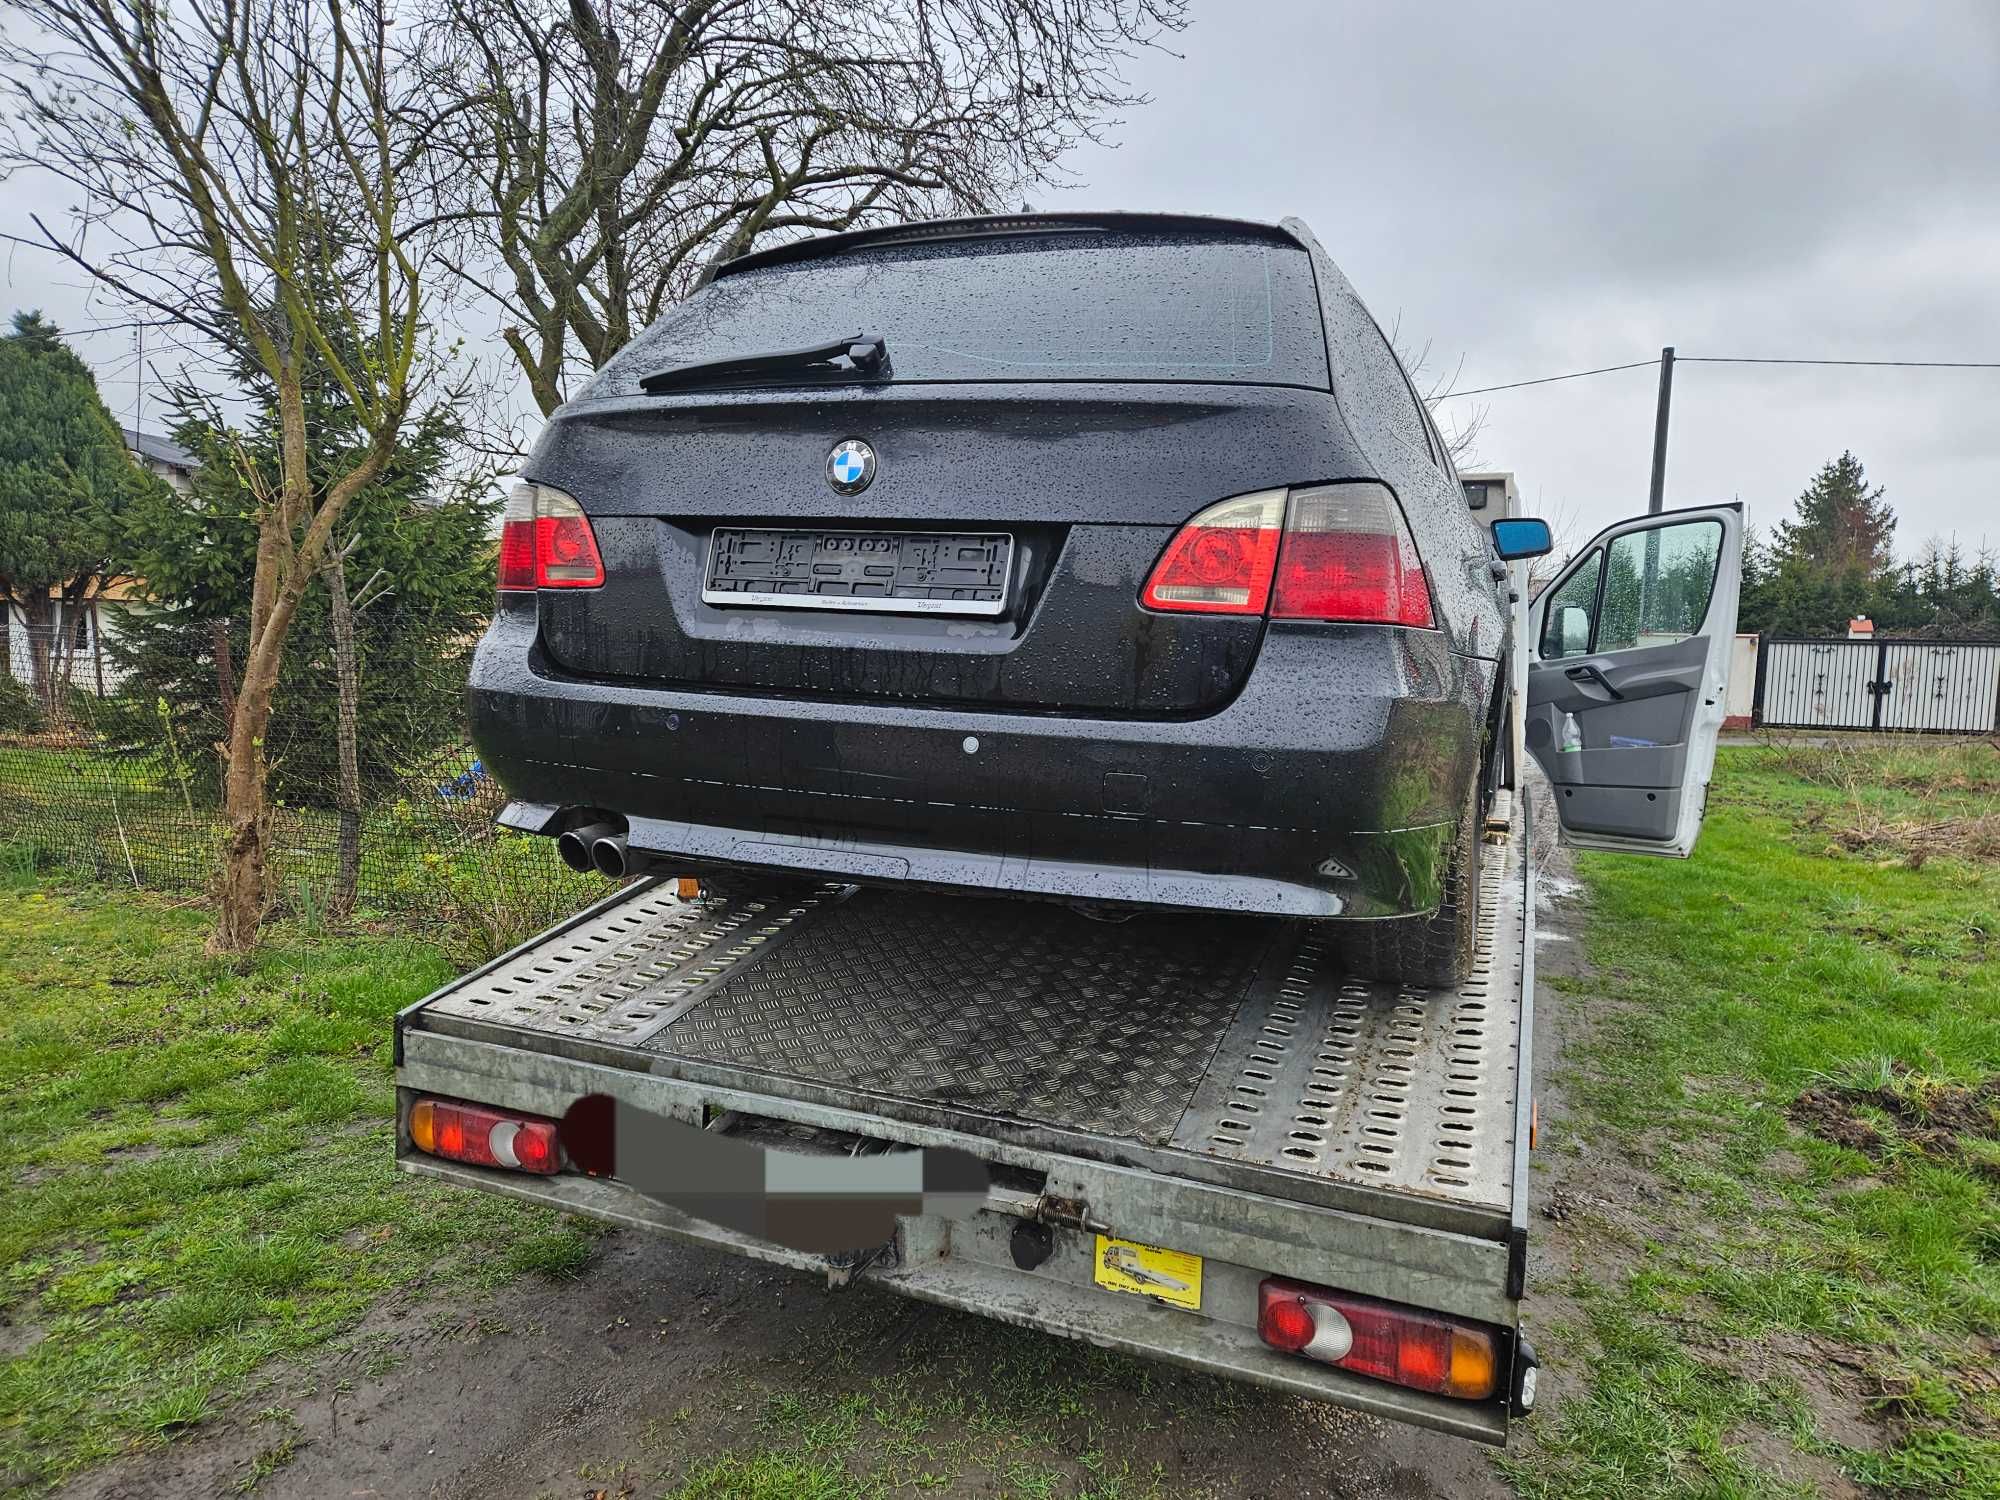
1542, 188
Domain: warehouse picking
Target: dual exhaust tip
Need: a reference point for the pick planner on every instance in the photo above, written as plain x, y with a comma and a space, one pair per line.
599, 847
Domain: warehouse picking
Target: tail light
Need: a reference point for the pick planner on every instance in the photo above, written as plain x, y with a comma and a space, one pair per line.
484, 1137
1348, 555
1338, 552
1423, 1351
1220, 562
546, 542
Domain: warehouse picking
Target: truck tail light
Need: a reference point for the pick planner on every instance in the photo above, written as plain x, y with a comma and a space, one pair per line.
1420, 1350
546, 542
483, 1137
1348, 555
1220, 562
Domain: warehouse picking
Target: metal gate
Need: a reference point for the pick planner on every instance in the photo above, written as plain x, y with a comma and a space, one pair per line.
1950, 687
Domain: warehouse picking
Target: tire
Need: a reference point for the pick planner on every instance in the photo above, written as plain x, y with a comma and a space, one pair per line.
1435, 951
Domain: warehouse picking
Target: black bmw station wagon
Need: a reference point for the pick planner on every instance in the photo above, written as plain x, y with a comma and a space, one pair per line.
1101, 558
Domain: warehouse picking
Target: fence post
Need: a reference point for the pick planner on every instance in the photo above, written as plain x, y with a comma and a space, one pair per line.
1757, 693
1882, 684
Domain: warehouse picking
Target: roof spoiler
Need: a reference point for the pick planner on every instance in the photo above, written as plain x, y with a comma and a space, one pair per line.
983, 226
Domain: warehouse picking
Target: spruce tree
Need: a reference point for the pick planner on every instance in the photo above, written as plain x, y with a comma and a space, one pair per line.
1843, 527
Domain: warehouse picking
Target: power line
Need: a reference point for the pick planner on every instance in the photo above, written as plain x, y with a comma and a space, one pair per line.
1901, 364
1731, 359
1515, 385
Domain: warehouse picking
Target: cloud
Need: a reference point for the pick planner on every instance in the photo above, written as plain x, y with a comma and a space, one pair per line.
1545, 187
1554, 187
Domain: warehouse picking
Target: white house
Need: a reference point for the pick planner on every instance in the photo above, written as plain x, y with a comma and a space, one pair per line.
76, 650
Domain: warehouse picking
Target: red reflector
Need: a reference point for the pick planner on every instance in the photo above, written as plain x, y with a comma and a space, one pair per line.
1285, 1323
485, 1137
1423, 1351
1348, 555
1220, 562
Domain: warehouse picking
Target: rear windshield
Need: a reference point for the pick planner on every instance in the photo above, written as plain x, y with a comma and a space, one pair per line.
1073, 306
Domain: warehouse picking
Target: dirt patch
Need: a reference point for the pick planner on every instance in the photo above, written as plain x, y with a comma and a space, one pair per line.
17, 1339
662, 1358
1926, 1115
1777, 1457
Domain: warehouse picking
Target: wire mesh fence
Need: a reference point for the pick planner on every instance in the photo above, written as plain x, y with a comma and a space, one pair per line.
110, 766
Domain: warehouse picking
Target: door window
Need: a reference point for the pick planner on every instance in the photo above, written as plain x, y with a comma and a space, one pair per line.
1651, 588
1573, 605
1657, 584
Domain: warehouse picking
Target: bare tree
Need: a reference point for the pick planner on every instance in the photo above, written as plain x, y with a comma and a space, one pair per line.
1459, 427
611, 150
242, 166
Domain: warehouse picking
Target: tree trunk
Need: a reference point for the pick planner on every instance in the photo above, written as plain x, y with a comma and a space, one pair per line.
97, 641
41, 633
347, 673
284, 566
240, 896
225, 673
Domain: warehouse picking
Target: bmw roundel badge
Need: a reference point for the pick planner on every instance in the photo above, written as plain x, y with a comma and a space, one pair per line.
850, 467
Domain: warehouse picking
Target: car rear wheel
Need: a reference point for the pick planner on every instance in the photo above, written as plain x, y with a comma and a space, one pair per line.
1436, 950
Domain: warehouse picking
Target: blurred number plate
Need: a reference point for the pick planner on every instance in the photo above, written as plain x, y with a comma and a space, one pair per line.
1173, 1276
896, 572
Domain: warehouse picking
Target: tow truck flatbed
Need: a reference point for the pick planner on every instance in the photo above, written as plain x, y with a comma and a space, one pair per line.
1209, 1084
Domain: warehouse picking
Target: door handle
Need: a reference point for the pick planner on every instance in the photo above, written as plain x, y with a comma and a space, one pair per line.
1595, 678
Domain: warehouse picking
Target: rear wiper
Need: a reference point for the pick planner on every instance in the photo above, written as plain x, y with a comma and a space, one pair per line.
859, 356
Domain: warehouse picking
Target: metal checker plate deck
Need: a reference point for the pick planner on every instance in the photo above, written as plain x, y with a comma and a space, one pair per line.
1007, 1007
1229, 1037
622, 974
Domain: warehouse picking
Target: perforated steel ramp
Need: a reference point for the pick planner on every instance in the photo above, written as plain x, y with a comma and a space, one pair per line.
1228, 1040
1406, 1089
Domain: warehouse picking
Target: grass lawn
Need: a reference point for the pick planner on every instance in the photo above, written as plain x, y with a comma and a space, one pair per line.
1791, 1031
1798, 1031
198, 1168
431, 862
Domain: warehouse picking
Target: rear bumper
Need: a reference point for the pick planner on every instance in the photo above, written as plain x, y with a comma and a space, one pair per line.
1328, 788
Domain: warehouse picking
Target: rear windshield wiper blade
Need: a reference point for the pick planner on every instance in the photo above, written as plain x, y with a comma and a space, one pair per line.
859, 356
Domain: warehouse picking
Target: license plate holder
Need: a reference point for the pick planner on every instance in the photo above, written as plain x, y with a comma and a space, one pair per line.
889, 572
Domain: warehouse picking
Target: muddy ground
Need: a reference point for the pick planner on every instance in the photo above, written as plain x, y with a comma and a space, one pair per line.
663, 1358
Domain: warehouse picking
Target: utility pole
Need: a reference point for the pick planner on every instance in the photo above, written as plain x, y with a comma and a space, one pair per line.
1657, 501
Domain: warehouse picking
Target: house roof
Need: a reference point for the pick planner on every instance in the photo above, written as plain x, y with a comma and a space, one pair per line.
160, 450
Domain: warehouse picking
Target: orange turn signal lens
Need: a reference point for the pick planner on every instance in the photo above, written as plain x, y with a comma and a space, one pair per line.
423, 1126
1472, 1365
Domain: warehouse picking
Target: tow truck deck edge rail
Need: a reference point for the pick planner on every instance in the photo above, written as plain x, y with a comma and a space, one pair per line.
1209, 1084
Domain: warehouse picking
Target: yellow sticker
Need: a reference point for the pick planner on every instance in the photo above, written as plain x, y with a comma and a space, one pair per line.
1173, 1276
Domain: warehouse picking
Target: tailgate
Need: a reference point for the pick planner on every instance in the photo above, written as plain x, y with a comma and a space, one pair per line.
1073, 490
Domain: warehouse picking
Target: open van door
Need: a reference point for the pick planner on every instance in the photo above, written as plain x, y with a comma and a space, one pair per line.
1628, 663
